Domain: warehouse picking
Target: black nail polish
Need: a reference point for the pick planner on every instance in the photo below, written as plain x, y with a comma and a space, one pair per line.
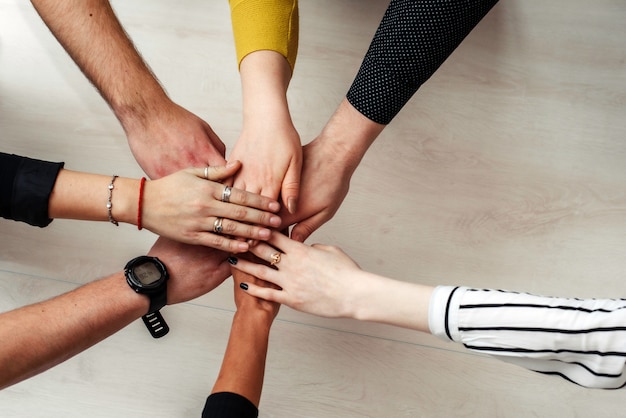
232, 260
244, 286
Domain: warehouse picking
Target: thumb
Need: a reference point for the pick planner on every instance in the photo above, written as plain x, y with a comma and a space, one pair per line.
217, 173
290, 191
303, 229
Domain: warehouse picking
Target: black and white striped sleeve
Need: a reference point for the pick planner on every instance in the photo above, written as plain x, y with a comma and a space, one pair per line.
581, 340
412, 41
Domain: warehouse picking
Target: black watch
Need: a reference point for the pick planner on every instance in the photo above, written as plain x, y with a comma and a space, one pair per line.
148, 276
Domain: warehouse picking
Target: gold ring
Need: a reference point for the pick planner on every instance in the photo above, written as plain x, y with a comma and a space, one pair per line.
275, 259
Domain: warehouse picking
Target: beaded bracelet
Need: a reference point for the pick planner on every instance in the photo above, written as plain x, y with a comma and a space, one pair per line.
109, 203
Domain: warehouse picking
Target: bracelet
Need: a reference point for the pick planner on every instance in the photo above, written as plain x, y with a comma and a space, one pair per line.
141, 186
109, 203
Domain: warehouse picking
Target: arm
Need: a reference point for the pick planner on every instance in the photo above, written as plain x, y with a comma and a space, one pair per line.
240, 380
266, 39
413, 40
83, 317
582, 340
182, 206
163, 136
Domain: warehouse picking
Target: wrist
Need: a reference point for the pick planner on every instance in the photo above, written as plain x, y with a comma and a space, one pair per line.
348, 135
117, 291
255, 316
138, 110
125, 200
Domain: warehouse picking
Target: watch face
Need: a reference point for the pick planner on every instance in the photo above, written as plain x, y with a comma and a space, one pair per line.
147, 273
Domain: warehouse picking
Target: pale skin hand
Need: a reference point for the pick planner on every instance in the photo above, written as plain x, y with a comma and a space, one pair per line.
322, 280
329, 162
182, 206
269, 146
163, 136
87, 315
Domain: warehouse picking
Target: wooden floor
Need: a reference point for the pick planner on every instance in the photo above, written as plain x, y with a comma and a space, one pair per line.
507, 170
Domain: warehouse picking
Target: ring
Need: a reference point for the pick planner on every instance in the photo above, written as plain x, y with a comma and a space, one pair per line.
226, 194
217, 225
206, 172
275, 259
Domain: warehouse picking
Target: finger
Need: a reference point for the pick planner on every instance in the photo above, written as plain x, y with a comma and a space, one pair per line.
246, 215
282, 242
229, 227
261, 271
303, 229
266, 293
263, 251
249, 199
217, 172
291, 188
219, 242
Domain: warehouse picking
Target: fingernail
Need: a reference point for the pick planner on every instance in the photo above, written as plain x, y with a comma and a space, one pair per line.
275, 221
265, 233
274, 206
243, 246
232, 260
231, 164
244, 286
291, 205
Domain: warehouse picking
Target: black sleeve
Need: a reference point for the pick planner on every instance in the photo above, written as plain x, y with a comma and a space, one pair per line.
25, 187
229, 405
412, 41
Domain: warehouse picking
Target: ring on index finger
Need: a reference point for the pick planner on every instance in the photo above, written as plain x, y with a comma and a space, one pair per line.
226, 194
217, 225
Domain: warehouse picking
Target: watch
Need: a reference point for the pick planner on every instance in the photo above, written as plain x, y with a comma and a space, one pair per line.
148, 276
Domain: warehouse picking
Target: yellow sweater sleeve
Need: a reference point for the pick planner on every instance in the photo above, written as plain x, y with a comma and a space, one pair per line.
265, 25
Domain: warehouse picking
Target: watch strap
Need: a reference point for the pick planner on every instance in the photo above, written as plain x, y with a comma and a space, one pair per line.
156, 324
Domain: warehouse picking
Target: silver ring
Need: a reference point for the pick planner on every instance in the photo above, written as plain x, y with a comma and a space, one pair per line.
206, 172
217, 226
226, 194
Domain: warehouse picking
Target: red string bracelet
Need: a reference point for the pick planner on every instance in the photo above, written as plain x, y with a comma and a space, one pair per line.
142, 182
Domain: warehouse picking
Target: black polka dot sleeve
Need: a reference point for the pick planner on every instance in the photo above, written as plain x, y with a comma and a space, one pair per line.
412, 41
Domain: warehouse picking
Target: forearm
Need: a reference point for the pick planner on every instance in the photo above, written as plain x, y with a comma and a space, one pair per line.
347, 136
92, 35
413, 40
265, 77
243, 367
580, 339
37, 337
378, 299
84, 196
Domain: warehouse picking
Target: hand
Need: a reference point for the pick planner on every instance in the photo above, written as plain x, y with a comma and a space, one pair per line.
329, 162
269, 146
272, 159
184, 206
316, 279
324, 185
171, 139
194, 270
247, 303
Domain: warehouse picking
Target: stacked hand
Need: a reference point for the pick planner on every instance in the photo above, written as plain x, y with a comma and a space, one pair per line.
188, 207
